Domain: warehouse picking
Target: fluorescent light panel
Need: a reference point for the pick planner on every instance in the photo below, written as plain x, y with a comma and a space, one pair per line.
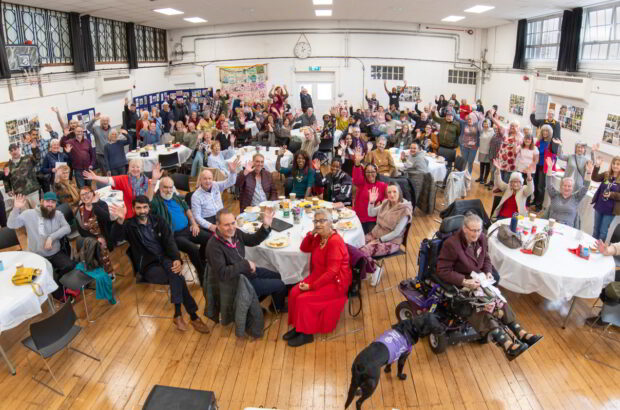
168, 11
479, 9
195, 20
323, 13
322, 2
452, 18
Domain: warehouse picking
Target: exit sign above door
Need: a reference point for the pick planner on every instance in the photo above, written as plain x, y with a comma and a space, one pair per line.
314, 68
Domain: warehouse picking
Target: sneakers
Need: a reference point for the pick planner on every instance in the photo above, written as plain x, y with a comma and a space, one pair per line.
376, 276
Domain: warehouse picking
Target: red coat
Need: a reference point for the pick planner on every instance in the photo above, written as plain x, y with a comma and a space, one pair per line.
465, 110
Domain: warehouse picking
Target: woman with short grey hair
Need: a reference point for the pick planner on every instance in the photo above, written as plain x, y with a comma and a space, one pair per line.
576, 163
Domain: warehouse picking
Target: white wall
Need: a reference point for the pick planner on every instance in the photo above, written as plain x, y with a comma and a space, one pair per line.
426, 60
603, 98
70, 92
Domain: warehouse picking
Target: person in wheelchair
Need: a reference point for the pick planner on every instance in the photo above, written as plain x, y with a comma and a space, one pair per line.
464, 253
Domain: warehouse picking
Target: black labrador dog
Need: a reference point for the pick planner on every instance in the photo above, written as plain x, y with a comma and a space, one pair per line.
395, 344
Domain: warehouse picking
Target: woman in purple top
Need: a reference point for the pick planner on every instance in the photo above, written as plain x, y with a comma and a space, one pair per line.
607, 197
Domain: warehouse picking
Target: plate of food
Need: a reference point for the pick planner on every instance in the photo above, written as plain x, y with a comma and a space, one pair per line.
251, 227
246, 217
345, 213
345, 225
277, 243
252, 210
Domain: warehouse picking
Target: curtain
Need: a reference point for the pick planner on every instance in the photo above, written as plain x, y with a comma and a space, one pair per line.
569, 40
132, 49
519, 61
87, 43
77, 46
5, 72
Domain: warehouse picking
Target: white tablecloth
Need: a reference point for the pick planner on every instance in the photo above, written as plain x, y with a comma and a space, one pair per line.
290, 262
246, 154
150, 161
586, 209
558, 274
19, 303
437, 169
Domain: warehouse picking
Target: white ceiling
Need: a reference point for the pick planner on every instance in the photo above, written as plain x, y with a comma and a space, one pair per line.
242, 11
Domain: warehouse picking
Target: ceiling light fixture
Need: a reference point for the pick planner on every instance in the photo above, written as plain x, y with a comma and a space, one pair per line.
452, 18
323, 13
322, 2
168, 11
195, 20
479, 9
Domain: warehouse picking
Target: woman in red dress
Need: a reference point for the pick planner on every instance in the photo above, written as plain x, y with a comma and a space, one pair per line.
315, 304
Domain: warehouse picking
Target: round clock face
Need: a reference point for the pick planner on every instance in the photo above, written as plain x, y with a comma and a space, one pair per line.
302, 50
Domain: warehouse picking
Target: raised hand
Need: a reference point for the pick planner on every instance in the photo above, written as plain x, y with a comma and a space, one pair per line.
119, 211
496, 163
549, 163
97, 115
156, 172
358, 155
19, 202
233, 165
589, 167
68, 148
249, 168
557, 141
88, 174
48, 127
343, 144
65, 131
232, 139
374, 195
268, 216
596, 146
55, 109
316, 164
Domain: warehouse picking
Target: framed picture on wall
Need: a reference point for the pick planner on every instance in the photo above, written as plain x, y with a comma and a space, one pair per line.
516, 104
611, 132
569, 116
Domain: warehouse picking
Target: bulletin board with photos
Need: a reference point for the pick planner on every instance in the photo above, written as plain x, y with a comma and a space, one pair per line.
569, 116
17, 128
517, 104
147, 101
611, 133
409, 94
83, 117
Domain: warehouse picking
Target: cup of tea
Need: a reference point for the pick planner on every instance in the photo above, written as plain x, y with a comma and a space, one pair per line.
532, 217
551, 223
315, 201
292, 196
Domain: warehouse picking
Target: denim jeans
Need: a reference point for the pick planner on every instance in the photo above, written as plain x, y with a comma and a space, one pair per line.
197, 163
79, 177
470, 155
265, 283
601, 225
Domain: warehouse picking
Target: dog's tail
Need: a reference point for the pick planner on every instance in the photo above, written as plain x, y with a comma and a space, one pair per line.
356, 374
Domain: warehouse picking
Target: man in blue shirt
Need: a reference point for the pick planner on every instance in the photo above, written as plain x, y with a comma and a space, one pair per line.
188, 235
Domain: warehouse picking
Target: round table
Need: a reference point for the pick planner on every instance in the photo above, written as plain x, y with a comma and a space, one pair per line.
558, 274
290, 262
246, 154
150, 161
20, 303
437, 168
586, 209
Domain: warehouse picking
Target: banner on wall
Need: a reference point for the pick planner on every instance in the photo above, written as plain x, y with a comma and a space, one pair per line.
245, 82
516, 104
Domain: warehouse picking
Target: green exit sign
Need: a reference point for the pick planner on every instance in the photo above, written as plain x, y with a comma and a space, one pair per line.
314, 68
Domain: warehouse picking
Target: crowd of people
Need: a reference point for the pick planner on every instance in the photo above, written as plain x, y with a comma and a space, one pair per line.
358, 172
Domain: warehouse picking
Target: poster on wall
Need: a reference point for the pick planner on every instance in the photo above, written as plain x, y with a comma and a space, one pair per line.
409, 94
569, 116
517, 104
16, 129
245, 82
611, 133
84, 117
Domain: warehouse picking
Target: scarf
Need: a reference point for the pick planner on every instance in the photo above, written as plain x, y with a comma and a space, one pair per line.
388, 218
139, 186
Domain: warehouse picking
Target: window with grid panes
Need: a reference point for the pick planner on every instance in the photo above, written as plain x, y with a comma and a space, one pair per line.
380, 72
47, 29
543, 38
109, 40
151, 44
462, 77
601, 33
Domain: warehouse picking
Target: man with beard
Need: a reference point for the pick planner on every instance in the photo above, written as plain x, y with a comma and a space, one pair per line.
155, 257
45, 228
187, 233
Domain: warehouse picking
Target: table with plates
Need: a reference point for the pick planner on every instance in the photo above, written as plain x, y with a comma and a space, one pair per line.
153, 158
558, 275
20, 303
246, 153
436, 165
290, 261
586, 209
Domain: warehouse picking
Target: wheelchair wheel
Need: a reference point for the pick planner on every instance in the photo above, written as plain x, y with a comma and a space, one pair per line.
438, 343
404, 311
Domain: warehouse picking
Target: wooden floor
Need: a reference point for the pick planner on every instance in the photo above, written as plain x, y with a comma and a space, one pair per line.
139, 353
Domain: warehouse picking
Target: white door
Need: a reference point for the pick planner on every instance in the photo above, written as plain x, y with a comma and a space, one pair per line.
320, 86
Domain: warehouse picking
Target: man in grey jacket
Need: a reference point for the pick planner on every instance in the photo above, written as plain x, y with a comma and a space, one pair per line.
415, 160
45, 228
100, 132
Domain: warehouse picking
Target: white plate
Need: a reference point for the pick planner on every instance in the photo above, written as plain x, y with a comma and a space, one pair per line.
346, 214
269, 242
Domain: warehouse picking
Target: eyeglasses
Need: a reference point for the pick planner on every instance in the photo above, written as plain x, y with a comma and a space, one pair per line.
86, 194
319, 221
371, 172
473, 230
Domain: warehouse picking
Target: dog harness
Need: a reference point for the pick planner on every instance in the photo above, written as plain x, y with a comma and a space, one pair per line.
396, 344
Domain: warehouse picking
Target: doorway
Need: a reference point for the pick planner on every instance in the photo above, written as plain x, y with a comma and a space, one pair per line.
320, 86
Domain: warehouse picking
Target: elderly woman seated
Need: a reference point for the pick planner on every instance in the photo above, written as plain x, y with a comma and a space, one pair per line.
218, 158
514, 193
66, 191
565, 203
392, 214
315, 304
465, 253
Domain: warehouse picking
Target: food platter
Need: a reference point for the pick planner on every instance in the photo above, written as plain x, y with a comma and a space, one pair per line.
345, 225
345, 213
277, 243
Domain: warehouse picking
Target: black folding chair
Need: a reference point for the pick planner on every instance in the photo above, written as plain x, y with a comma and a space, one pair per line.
381, 259
169, 161
8, 238
138, 282
181, 181
611, 315
50, 336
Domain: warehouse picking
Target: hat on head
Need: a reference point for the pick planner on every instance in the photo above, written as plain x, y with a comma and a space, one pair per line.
516, 176
50, 196
13, 146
